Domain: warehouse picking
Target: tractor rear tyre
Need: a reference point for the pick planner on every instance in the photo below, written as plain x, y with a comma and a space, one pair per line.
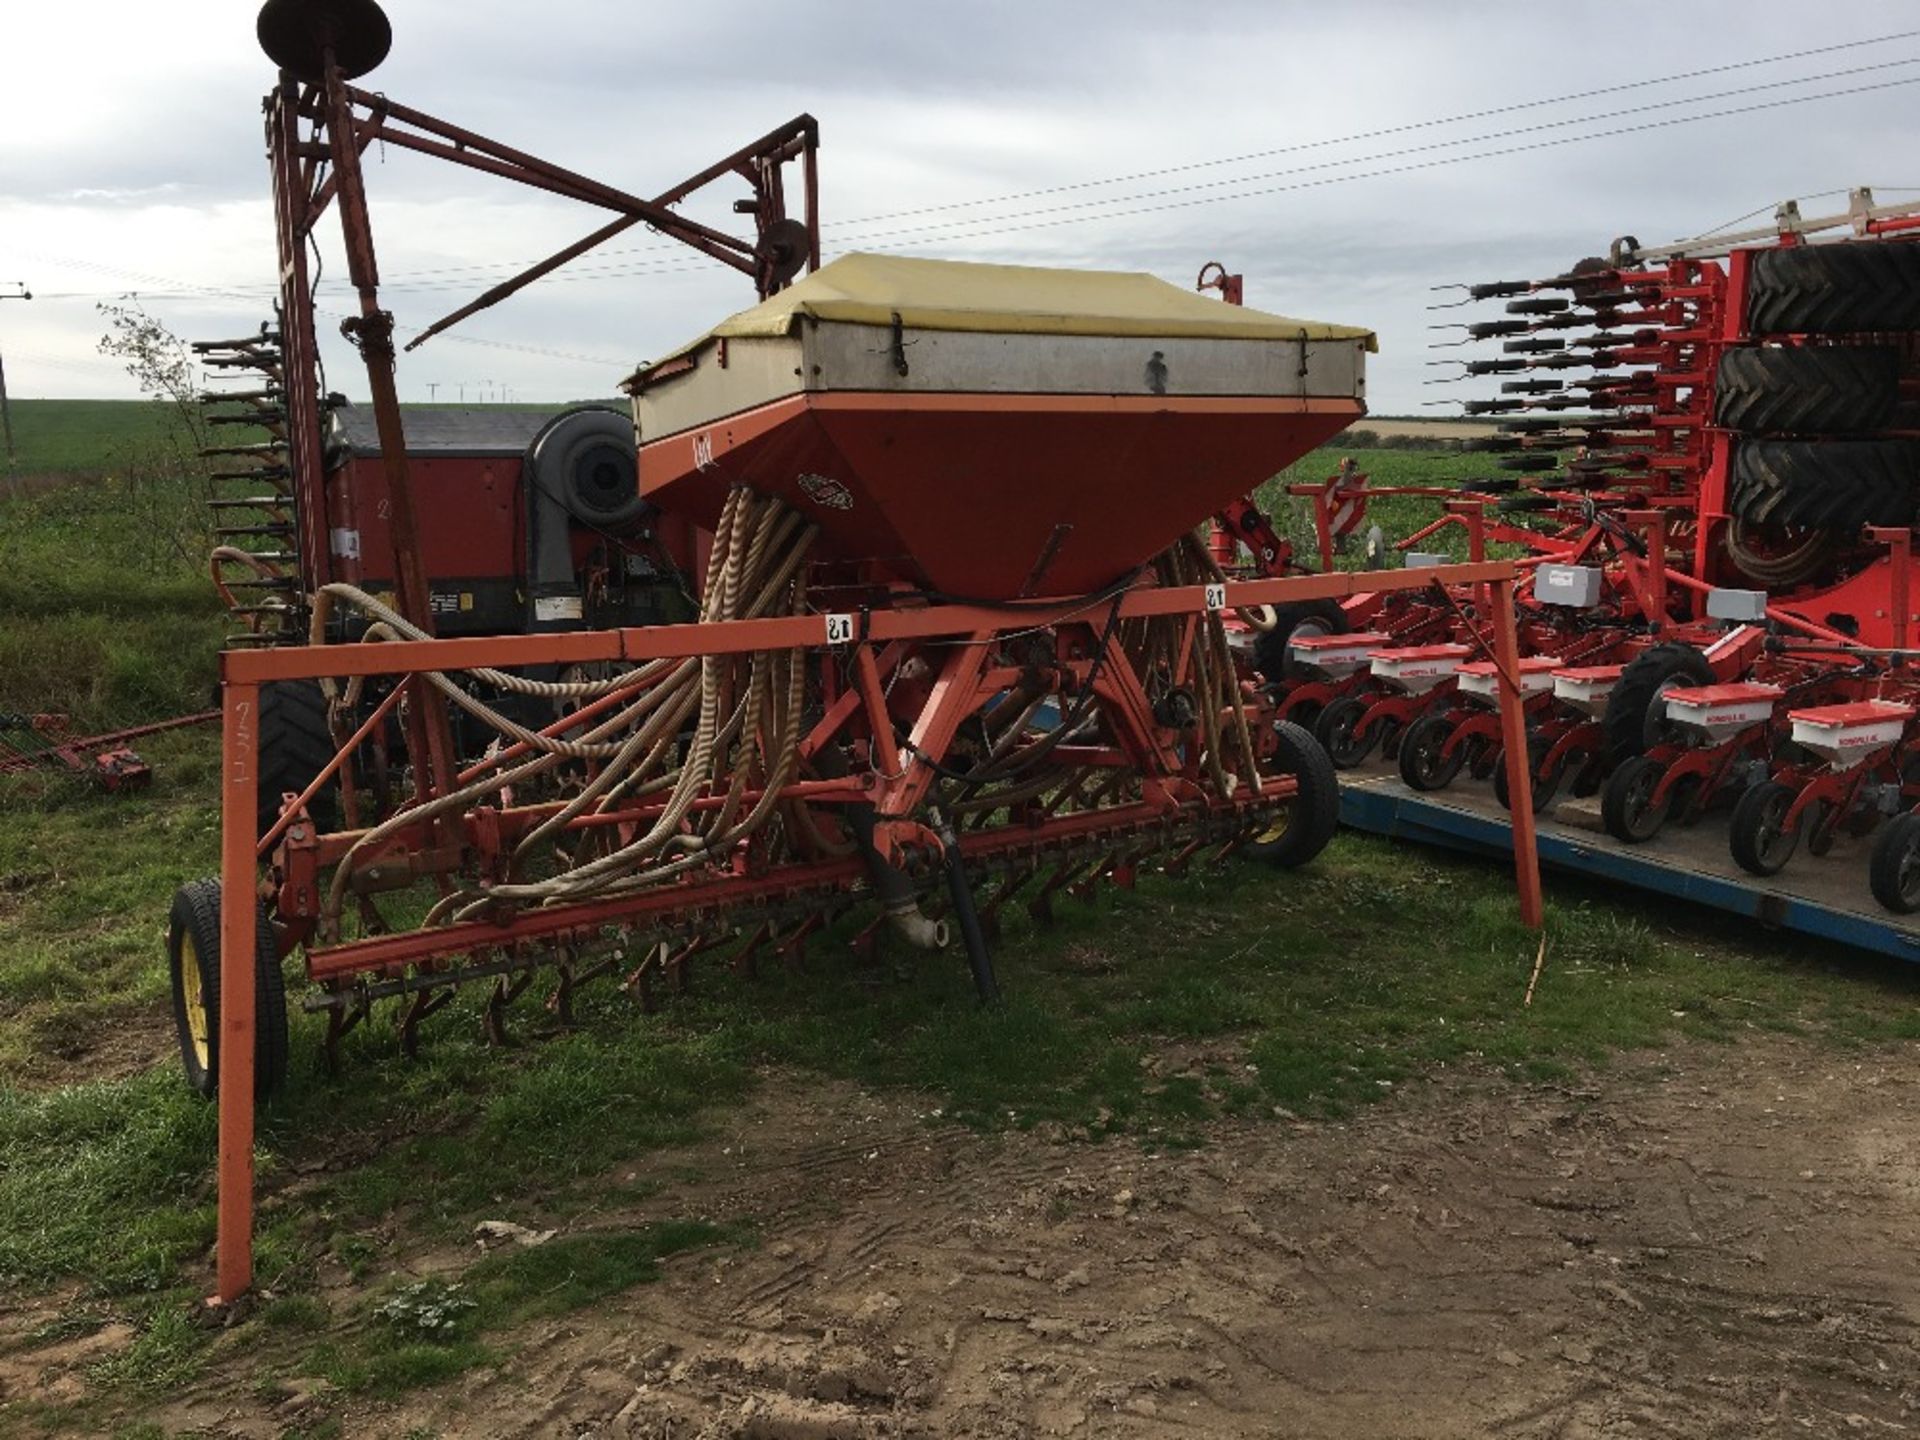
1626, 802
1311, 617
1894, 867
193, 964
1636, 718
1339, 734
1834, 289
1313, 814
295, 746
1424, 761
1808, 389
1760, 843
1832, 485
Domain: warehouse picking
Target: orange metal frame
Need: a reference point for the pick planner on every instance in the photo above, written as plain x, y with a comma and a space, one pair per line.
244, 671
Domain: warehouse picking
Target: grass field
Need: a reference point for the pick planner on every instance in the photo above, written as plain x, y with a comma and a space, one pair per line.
80, 437
1304, 995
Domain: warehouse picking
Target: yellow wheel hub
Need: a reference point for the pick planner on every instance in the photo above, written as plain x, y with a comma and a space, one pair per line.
1274, 831
194, 1000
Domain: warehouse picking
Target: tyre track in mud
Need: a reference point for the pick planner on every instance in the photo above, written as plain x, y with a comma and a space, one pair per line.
1710, 1242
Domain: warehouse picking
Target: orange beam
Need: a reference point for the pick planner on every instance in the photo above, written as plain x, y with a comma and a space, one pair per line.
239, 791
1513, 735
793, 632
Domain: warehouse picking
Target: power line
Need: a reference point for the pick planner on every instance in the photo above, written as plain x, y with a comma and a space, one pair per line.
1433, 145
976, 234
995, 225
1268, 153
999, 225
1105, 207
1412, 126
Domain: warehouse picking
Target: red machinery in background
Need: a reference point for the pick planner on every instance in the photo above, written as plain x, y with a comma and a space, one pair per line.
1712, 457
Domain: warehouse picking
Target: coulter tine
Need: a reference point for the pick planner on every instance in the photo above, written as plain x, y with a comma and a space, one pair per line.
423, 1004
1009, 887
793, 949
639, 981
1040, 907
1089, 884
1177, 866
746, 960
560, 1002
506, 989
341, 1020
676, 964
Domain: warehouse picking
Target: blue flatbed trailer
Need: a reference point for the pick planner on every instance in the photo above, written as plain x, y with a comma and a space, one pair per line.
1824, 897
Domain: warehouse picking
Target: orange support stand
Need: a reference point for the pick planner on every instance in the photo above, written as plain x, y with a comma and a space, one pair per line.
239, 791
1513, 737
1899, 542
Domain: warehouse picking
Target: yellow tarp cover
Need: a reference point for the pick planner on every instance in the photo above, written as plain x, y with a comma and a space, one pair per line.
865, 289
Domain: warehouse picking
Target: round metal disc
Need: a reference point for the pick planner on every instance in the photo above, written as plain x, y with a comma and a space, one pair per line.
787, 244
297, 34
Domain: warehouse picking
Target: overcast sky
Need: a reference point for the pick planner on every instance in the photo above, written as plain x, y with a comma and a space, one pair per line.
130, 155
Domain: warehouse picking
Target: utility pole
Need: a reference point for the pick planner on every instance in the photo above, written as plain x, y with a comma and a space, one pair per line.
6, 415
433, 388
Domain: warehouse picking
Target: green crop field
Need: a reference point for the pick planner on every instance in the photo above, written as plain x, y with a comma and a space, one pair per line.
84, 437
1309, 995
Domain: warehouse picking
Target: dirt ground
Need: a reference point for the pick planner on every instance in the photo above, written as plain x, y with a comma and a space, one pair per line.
1702, 1242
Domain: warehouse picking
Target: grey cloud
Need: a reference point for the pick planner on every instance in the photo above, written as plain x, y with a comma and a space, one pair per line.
924, 104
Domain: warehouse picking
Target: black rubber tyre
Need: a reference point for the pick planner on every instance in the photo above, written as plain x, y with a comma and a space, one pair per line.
1777, 558
1315, 812
1844, 289
1808, 389
1832, 485
1306, 716
1625, 801
1545, 787
1312, 617
1894, 867
1422, 762
1759, 845
1335, 732
295, 746
1636, 718
193, 967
